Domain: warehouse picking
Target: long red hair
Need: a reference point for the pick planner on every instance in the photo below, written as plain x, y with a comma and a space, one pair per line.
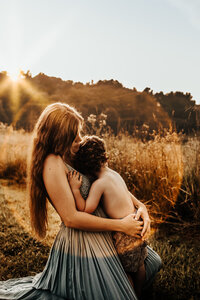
54, 133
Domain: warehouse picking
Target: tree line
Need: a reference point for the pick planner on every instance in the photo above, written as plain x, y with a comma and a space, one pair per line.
126, 109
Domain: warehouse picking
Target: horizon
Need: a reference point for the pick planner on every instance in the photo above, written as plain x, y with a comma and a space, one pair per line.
93, 82
146, 44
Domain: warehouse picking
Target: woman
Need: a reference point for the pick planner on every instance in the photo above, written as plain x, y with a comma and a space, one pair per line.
83, 263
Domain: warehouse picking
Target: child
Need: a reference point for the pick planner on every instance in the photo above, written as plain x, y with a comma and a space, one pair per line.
91, 159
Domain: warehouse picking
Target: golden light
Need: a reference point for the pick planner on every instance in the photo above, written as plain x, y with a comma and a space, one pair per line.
14, 75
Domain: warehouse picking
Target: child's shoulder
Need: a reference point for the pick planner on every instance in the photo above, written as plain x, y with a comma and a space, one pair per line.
100, 181
98, 184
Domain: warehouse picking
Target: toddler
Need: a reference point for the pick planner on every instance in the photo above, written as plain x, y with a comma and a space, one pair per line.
117, 201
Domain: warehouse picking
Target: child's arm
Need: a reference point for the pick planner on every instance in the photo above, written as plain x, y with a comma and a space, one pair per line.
75, 181
90, 204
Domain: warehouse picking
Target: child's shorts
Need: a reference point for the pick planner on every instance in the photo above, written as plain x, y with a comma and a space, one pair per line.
131, 251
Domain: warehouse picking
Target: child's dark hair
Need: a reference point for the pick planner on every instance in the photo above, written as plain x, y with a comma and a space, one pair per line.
91, 156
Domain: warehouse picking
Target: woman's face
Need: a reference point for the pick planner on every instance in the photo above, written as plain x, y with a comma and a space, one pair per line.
76, 142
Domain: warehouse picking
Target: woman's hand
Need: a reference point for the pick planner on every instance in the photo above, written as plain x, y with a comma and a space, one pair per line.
143, 214
131, 226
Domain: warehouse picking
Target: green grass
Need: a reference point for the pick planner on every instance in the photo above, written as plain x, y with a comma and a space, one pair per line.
179, 277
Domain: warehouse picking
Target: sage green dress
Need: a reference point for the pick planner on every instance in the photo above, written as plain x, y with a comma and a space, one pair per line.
81, 265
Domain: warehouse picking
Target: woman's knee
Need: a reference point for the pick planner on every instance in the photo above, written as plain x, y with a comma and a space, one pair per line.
158, 261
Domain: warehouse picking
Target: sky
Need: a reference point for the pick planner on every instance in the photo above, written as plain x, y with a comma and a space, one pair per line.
140, 43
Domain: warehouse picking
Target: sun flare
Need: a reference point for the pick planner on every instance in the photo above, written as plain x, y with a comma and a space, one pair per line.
14, 75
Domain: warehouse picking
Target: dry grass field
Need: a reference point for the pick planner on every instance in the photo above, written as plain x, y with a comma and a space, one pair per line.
163, 172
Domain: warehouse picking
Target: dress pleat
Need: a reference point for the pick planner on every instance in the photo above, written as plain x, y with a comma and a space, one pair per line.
81, 265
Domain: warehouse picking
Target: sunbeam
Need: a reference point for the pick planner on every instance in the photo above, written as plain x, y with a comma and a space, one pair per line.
15, 75
4, 85
16, 87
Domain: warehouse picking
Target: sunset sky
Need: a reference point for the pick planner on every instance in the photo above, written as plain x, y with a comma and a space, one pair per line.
141, 43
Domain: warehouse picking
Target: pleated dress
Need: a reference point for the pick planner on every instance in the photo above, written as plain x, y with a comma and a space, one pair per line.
82, 265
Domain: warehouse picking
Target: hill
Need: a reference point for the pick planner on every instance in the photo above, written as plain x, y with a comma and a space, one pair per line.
22, 102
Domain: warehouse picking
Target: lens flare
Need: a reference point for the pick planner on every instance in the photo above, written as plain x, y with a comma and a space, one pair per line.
15, 75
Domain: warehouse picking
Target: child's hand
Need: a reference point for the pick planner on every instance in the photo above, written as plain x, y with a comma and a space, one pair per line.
75, 179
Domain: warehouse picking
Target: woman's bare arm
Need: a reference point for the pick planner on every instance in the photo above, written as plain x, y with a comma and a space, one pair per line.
59, 191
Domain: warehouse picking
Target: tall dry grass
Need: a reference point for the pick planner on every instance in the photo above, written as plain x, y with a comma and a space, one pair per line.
13, 153
163, 171
153, 170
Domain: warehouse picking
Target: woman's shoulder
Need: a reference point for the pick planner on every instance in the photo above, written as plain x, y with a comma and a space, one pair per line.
53, 169
53, 158
53, 161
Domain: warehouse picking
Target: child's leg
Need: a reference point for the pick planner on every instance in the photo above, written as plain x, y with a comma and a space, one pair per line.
130, 278
139, 279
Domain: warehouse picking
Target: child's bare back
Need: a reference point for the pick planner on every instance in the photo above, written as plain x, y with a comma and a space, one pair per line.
116, 199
